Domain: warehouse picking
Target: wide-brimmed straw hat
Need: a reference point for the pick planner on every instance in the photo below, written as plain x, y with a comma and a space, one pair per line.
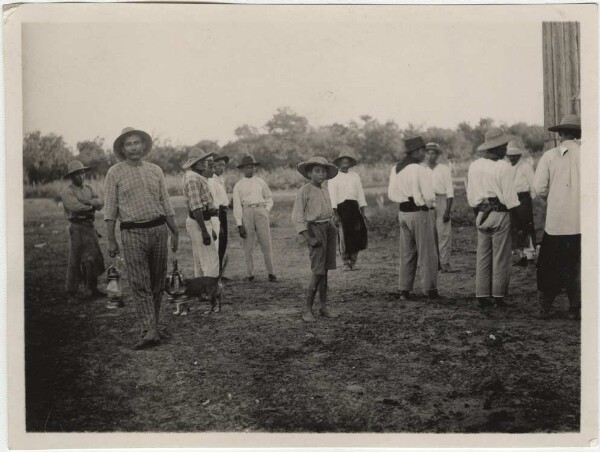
304, 167
118, 144
431, 146
493, 138
248, 160
221, 158
513, 148
75, 166
568, 123
346, 154
413, 144
195, 155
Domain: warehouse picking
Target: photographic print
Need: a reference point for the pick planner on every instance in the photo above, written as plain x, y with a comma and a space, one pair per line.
264, 221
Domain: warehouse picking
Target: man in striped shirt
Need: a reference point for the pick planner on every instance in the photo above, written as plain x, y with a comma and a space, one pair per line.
136, 195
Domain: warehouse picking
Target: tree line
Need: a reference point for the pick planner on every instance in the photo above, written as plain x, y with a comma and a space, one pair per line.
283, 141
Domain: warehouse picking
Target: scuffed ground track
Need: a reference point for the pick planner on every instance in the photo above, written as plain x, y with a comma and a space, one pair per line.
382, 366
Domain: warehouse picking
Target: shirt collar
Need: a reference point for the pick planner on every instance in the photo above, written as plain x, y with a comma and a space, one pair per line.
568, 144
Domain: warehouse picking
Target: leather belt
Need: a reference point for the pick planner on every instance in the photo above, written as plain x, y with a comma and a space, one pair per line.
80, 220
142, 225
410, 206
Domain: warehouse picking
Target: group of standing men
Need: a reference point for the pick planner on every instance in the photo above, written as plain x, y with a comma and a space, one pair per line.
500, 194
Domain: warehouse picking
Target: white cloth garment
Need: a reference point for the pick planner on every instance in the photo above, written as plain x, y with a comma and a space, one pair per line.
491, 179
220, 194
414, 181
206, 257
250, 191
557, 180
442, 180
345, 186
523, 177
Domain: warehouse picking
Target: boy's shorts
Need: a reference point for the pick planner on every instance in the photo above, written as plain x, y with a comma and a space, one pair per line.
323, 257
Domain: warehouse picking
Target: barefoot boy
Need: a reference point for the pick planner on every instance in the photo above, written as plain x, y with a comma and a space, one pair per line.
313, 218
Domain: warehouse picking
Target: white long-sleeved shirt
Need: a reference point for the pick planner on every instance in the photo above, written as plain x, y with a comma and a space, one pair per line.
414, 181
491, 179
346, 186
219, 193
247, 191
523, 177
442, 180
557, 180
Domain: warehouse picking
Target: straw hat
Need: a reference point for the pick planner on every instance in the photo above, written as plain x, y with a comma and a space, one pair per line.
196, 154
493, 138
304, 167
75, 166
514, 148
567, 123
414, 144
346, 154
118, 144
221, 158
248, 160
433, 147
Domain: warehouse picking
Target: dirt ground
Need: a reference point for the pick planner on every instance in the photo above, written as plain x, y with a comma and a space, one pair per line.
382, 366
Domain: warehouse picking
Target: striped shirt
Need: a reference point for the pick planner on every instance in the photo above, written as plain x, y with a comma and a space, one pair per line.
136, 193
196, 192
312, 204
77, 201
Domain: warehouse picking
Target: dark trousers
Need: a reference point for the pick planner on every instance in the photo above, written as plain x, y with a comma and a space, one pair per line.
222, 235
559, 266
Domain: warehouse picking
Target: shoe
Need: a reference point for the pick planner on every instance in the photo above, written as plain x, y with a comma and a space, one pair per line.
272, 278
433, 295
347, 268
150, 339
500, 303
250, 278
354, 267
404, 295
484, 302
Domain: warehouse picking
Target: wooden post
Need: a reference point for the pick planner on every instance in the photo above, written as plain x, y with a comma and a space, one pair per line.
561, 73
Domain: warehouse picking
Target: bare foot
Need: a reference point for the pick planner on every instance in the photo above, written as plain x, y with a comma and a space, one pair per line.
308, 317
325, 312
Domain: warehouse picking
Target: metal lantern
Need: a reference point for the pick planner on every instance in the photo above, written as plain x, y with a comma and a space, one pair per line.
175, 283
113, 286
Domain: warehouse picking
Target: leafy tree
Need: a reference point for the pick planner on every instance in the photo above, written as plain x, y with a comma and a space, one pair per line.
286, 123
45, 157
92, 153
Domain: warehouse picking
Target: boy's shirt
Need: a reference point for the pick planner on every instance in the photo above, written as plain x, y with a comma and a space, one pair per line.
247, 191
312, 204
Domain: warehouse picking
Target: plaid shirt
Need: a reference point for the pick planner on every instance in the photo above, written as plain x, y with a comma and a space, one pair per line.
136, 193
196, 192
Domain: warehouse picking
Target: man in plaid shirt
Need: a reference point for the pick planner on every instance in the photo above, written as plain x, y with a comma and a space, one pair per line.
135, 193
201, 210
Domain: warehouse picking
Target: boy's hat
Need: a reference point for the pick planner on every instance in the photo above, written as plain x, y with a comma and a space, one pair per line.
493, 138
118, 144
433, 147
248, 160
514, 148
567, 123
75, 166
304, 167
221, 158
195, 155
414, 144
346, 154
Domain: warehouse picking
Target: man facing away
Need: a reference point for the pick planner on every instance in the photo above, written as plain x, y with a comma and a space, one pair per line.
86, 262
557, 181
349, 204
410, 186
491, 194
443, 187
252, 202
135, 194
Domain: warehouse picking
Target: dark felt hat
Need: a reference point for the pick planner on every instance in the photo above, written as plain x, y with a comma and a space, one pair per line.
248, 160
414, 144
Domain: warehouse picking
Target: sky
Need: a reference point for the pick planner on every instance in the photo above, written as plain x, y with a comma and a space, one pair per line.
186, 82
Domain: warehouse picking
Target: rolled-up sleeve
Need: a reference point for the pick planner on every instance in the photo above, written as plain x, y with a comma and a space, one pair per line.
541, 178
165, 199
110, 196
298, 212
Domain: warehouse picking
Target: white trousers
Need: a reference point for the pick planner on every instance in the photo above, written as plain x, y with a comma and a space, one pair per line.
206, 257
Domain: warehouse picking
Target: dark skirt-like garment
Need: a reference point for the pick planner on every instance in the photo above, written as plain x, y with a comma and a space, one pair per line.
559, 263
86, 262
522, 222
354, 229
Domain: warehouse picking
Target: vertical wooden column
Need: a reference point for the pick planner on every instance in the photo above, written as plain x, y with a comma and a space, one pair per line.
561, 73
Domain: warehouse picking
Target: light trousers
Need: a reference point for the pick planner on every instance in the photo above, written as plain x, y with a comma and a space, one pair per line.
417, 246
206, 257
494, 256
256, 222
444, 230
145, 252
